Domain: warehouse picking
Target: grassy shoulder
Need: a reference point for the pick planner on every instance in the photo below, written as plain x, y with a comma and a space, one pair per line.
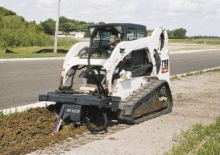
200, 139
178, 77
30, 52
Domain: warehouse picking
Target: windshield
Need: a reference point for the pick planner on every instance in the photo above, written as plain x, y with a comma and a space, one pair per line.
100, 41
101, 38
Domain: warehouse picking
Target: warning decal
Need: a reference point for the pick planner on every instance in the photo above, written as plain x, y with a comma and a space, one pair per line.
165, 66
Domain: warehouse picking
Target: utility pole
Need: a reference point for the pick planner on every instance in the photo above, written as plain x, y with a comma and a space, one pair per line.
57, 27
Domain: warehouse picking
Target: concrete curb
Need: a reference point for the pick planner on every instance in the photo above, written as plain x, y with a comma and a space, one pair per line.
25, 107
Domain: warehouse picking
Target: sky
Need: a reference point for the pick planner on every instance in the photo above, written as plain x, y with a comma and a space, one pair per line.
198, 17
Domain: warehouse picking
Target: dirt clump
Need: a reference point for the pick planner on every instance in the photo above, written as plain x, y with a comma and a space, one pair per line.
32, 130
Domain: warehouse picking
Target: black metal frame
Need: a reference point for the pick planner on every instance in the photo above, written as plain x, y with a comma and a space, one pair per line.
124, 26
72, 107
104, 101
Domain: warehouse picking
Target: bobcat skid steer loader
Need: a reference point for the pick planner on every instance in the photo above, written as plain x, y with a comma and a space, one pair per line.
129, 84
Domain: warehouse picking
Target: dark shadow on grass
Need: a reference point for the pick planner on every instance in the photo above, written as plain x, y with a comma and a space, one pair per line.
51, 51
7, 51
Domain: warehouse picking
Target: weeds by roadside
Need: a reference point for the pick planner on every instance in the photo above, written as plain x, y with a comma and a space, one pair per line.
200, 139
175, 77
178, 77
2, 115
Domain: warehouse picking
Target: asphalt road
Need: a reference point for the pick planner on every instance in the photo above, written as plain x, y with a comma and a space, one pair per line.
23, 80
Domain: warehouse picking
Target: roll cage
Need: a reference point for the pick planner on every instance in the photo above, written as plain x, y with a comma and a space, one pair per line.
100, 35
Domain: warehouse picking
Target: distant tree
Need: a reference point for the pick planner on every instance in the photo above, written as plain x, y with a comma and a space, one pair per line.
6, 12
63, 19
49, 26
67, 27
15, 32
170, 34
82, 22
101, 23
179, 33
91, 23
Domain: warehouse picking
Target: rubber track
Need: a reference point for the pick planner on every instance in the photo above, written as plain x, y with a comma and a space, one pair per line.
142, 93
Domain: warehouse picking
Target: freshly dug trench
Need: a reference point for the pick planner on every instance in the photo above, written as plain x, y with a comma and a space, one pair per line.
28, 131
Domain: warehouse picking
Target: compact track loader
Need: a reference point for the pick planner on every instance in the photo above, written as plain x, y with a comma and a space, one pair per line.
130, 84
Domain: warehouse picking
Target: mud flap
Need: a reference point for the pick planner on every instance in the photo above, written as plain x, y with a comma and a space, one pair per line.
72, 111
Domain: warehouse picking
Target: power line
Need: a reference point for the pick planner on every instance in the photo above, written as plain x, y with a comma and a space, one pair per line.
79, 9
74, 6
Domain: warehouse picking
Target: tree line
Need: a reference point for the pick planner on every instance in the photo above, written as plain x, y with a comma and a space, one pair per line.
179, 33
66, 25
16, 32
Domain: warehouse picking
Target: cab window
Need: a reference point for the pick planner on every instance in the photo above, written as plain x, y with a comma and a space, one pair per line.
135, 33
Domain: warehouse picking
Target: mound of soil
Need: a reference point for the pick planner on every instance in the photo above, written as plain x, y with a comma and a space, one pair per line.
32, 130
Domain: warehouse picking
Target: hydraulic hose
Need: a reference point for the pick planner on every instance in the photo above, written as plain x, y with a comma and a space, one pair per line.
92, 129
98, 83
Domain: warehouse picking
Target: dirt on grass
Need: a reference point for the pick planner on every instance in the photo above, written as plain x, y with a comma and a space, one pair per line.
32, 130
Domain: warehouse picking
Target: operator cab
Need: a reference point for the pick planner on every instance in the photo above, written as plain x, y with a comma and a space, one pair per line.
100, 36
136, 61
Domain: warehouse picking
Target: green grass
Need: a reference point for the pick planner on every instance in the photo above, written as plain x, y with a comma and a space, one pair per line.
199, 140
2, 115
194, 73
28, 52
214, 70
176, 77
